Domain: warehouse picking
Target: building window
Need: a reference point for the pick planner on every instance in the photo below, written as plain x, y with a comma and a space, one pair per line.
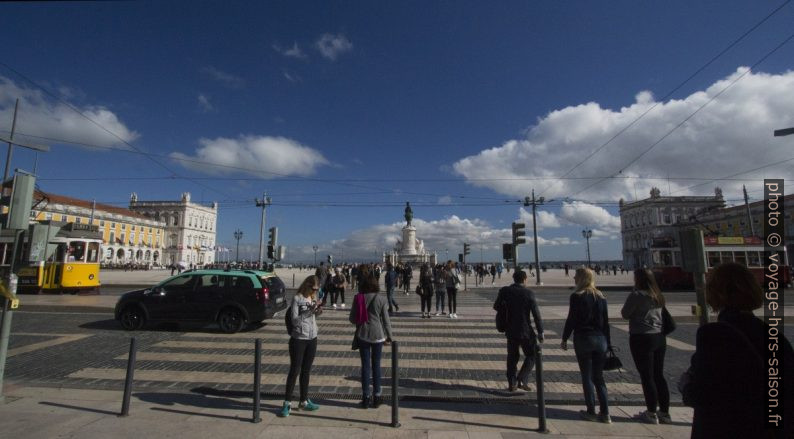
112, 225
79, 220
48, 216
102, 223
112, 239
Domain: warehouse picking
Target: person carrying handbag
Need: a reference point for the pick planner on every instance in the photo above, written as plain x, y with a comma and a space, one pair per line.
371, 335
589, 322
425, 289
644, 309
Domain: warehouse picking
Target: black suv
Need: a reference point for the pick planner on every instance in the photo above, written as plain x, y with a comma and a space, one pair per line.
230, 298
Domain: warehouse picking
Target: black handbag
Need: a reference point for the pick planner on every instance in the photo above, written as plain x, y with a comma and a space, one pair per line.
668, 324
612, 362
355, 344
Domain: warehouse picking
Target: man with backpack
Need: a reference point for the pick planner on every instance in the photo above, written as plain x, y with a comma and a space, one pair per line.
513, 306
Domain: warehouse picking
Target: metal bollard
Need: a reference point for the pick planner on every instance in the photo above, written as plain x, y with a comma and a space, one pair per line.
395, 383
125, 404
293, 280
539, 384
257, 380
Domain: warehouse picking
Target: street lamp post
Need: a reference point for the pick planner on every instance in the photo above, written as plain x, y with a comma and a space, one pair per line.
238, 235
587, 234
315, 248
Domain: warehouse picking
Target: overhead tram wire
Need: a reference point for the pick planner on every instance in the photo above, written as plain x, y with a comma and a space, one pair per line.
286, 178
282, 177
768, 165
675, 89
102, 127
679, 125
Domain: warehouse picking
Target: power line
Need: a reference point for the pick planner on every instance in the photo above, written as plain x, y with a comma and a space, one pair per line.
99, 125
680, 124
671, 92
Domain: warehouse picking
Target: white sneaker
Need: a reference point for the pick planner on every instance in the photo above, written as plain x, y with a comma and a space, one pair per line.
334, 305
343, 305
438, 314
451, 316
456, 315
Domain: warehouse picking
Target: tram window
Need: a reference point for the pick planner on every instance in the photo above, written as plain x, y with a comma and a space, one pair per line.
726, 256
93, 252
713, 258
753, 259
60, 253
76, 251
740, 258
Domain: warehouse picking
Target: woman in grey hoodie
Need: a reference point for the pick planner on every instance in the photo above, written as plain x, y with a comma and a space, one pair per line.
371, 335
302, 343
643, 310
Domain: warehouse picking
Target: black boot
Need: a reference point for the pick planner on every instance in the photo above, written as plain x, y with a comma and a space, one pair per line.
376, 401
365, 402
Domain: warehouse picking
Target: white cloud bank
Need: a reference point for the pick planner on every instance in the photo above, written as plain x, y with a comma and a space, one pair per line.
438, 236
262, 156
731, 134
40, 116
331, 46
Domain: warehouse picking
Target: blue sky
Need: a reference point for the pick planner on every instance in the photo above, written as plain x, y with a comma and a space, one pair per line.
342, 111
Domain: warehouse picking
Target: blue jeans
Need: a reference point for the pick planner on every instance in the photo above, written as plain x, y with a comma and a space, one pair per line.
440, 297
390, 297
591, 354
370, 366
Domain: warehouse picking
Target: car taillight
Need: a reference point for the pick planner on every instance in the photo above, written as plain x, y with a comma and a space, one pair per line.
264, 295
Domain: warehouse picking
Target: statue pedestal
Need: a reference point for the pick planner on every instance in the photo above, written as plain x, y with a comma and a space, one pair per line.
409, 241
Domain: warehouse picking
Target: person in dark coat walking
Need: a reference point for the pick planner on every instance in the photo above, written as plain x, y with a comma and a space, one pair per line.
519, 301
731, 371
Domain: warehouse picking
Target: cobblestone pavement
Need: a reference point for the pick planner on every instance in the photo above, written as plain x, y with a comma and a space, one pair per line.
440, 358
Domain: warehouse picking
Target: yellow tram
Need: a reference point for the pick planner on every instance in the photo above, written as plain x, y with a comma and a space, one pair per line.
70, 263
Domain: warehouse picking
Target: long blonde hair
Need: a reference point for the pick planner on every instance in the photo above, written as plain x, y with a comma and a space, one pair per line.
585, 282
307, 286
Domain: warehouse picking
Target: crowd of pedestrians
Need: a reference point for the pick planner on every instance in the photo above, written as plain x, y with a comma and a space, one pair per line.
725, 383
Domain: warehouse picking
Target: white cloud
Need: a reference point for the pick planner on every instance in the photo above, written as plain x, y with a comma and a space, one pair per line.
263, 156
445, 200
590, 216
331, 46
291, 52
40, 116
546, 219
438, 236
291, 77
204, 103
227, 79
731, 134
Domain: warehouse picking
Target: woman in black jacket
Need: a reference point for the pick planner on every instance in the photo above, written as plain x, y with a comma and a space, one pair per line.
731, 376
589, 322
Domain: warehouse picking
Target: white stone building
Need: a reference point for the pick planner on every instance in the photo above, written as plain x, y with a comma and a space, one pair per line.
190, 228
654, 223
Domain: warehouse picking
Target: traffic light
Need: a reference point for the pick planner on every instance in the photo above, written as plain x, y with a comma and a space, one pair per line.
466, 249
460, 257
519, 233
271, 252
272, 238
507, 251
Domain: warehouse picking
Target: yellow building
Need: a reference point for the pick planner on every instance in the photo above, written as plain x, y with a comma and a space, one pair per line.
128, 236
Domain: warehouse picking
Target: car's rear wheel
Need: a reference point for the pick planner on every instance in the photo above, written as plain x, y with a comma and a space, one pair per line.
231, 320
132, 318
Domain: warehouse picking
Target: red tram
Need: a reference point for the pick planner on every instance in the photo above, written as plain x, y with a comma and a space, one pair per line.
748, 251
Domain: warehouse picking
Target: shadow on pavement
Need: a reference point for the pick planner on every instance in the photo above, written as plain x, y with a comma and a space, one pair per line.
114, 325
74, 407
207, 415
